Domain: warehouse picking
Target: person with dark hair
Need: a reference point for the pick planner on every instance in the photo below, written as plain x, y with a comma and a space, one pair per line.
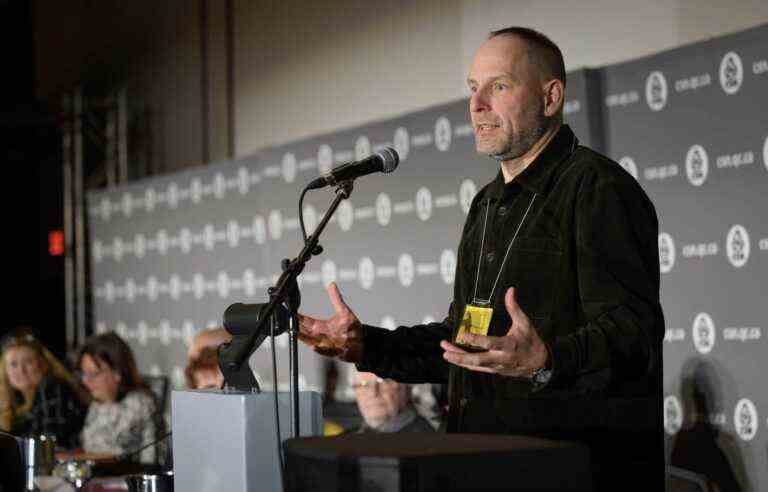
556, 328
38, 396
203, 372
123, 416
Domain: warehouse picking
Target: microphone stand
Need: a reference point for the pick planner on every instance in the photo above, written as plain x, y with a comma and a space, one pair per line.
286, 293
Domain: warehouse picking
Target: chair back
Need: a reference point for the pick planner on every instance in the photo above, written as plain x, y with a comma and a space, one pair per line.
160, 386
12, 464
680, 480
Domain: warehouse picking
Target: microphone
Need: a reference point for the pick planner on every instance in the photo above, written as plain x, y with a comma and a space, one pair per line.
385, 162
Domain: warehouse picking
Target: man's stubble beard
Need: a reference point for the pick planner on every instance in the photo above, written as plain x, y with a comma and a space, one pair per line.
517, 147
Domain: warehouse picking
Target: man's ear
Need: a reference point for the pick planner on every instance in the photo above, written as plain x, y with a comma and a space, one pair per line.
554, 97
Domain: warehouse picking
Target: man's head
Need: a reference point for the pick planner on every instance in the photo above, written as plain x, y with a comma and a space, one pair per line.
517, 81
379, 400
203, 372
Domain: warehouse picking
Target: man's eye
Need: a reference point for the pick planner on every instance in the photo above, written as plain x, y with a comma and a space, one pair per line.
499, 87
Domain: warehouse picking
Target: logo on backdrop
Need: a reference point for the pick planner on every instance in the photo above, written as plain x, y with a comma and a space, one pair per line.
424, 203
656, 91
324, 159
289, 167
673, 415
745, 419
405, 270
275, 224
310, 218
443, 134
697, 165
666, 252
383, 209
366, 273
467, 191
731, 73
629, 165
328, 272
362, 148
448, 266
346, 215
703, 333
401, 142
765, 153
737, 246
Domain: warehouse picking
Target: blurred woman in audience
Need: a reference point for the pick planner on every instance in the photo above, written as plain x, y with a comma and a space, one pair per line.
37, 394
203, 371
123, 415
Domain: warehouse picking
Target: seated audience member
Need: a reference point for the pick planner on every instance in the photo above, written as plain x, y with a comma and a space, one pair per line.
203, 372
123, 415
212, 337
386, 406
37, 394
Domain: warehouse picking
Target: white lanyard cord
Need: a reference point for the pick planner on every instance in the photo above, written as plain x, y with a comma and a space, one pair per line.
503, 262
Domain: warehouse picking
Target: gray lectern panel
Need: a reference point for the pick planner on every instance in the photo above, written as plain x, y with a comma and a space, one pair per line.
226, 441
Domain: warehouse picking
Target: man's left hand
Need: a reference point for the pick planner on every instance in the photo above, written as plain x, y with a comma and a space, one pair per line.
517, 354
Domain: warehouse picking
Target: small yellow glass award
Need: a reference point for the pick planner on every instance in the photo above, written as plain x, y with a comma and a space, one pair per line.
476, 321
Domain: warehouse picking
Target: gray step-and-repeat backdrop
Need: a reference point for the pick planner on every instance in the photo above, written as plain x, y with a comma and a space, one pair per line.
169, 254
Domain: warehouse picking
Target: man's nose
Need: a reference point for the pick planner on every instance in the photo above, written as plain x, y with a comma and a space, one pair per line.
478, 102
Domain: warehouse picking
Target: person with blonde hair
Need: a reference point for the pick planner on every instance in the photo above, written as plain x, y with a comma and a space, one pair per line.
38, 396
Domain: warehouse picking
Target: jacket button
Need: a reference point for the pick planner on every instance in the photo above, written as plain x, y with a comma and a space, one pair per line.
502, 210
490, 257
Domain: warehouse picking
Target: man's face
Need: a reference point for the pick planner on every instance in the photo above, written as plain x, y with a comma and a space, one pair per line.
379, 400
507, 102
208, 379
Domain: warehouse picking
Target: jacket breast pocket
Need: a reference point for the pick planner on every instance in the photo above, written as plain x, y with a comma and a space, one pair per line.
533, 267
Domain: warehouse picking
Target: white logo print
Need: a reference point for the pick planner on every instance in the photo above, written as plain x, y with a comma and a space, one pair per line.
243, 180
703, 333
150, 198
737, 246
745, 419
673, 415
362, 148
328, 272
388, 322
275, 224
448, 266
196, 190
765, 153
405, 269
289, 167
383, 209
424, 203
629, 165
366, 272
696, 165
402, 143
467, 191
656, 91
666, 252
443, 134
324, 159
259, 229
731, 73
346, 215
310, 219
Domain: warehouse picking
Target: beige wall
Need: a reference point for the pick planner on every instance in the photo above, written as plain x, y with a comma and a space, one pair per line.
303, 68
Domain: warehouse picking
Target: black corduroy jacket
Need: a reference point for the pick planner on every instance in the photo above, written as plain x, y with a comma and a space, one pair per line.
586, 268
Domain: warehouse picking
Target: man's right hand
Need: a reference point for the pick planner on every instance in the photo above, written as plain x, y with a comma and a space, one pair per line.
340, 336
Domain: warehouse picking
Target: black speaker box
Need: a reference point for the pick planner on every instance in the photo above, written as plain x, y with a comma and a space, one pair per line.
414, 462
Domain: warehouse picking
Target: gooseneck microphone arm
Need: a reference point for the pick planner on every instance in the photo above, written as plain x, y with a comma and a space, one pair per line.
286, 284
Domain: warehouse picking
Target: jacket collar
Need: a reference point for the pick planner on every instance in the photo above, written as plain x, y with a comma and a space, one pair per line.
538, 176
